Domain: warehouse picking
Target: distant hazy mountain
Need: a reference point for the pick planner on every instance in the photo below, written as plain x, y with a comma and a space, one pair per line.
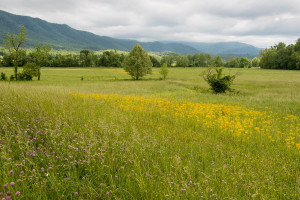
61, 36
224, 48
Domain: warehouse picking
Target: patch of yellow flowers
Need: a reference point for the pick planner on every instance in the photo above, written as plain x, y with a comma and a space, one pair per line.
235, 120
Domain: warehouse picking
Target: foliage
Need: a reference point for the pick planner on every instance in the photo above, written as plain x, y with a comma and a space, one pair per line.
3, 77
11, 78
233, 63
115, 58
201, 60
219, 61
255, 62
281, 56
69, 60
138, 63
111, 59
164, 71
87, 58
8, 59
168, 60
13, 44
182, 61
31, 69
24, 76
218, 81
245, 63
154, 61
40, 55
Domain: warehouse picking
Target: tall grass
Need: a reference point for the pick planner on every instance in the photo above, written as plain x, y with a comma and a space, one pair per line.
75, 140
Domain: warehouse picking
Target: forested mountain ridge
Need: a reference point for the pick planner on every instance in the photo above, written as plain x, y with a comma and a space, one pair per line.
62, 36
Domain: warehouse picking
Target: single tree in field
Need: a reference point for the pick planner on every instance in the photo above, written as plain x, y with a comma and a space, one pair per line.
14, 45
164, 71
40, 55
138, 63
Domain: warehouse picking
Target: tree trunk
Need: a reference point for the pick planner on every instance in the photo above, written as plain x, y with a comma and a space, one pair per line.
39, 74
16, 71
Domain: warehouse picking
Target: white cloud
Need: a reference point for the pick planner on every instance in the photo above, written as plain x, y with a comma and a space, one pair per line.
258, 22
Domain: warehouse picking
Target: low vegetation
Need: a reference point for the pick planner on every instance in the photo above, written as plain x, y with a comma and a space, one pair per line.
114, 138
218, 81
93, 133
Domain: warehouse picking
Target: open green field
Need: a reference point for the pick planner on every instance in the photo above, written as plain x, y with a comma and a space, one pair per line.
110, 137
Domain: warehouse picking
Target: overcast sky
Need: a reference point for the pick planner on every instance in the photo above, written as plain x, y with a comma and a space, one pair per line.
258, 22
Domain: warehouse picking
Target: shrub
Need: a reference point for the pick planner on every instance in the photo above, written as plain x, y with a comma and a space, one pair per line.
12, 77
3, 76
219, 82
31, 69
24, 76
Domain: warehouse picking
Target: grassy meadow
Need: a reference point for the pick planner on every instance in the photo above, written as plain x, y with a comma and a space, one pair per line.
110, 137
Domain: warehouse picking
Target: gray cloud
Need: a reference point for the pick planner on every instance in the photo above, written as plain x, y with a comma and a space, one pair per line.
258, 22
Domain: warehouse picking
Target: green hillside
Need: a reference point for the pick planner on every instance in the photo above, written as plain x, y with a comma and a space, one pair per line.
62, 36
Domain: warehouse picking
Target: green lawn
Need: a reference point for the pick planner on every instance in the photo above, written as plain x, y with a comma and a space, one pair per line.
110, 137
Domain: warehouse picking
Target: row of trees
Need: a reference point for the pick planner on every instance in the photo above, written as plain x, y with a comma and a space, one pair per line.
206, 60
112, 58
281, 56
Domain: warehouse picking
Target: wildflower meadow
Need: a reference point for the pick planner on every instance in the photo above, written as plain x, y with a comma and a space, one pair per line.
109, 137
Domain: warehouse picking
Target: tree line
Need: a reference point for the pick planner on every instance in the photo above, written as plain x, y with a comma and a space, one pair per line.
281, 56
111, 58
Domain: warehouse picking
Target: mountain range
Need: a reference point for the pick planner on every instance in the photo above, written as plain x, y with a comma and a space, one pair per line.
62, 36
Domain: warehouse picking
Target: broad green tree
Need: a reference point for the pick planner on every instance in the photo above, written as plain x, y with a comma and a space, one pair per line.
87, 58
182, 61
168, 60
14, 44
138, 63
245, 63
40, 55
255, 62
233, 63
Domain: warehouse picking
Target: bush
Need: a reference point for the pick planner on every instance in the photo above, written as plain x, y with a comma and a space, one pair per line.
31, 69
3, 77
12, 77
219, 82
24, 76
